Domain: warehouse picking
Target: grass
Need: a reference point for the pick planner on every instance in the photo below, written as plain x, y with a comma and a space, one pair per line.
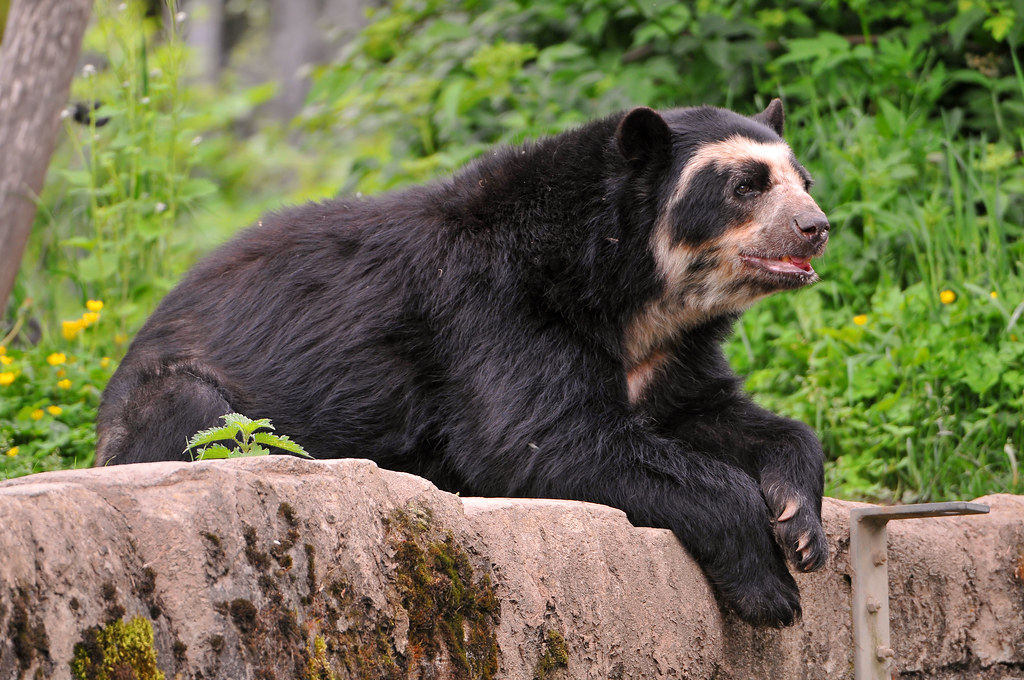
907, 359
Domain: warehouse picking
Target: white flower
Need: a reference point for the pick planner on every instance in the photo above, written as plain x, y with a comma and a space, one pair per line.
160, 207
180, 17
88, 70
144, 100
196, 140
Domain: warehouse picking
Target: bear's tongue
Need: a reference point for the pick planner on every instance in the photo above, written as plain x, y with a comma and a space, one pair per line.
787, 264
799, 262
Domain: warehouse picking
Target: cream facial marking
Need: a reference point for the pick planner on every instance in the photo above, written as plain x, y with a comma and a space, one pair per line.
701, 280
735, 151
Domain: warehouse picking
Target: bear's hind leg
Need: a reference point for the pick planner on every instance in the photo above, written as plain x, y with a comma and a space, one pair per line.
152, 419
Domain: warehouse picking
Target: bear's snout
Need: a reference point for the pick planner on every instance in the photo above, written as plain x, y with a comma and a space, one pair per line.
811, 225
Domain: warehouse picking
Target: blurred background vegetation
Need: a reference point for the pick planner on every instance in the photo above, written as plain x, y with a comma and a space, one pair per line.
906, 359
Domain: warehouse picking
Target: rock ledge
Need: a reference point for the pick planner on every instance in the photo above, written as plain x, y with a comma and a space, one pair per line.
284, 568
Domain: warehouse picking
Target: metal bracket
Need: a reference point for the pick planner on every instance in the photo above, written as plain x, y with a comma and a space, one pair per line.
872, 653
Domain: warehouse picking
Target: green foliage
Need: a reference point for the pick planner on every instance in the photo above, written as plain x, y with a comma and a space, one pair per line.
49, 394
129, 182
910, 115
244, 435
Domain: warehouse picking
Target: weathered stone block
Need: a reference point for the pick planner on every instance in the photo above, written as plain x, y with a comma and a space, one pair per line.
280, 567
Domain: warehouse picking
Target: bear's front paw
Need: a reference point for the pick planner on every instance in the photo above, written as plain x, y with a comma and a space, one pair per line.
766, 595
798, 531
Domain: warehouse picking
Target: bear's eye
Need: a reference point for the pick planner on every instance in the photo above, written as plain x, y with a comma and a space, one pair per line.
745, 190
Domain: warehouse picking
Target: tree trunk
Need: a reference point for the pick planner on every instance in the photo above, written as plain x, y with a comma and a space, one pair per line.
41, 44
294, 44
204, 31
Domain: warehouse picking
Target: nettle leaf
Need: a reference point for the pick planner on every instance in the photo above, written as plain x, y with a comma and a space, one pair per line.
280, 442
247, 425
214, 452
214, 434
252, 451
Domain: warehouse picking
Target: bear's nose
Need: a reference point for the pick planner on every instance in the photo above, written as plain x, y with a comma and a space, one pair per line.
812, 225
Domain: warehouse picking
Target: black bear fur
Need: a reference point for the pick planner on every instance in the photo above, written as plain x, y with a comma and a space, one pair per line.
471, 331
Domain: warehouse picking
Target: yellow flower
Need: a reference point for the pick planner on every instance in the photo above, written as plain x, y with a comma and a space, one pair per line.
71, 329
947, 297
993, 295
12, 452
3, 349
120, 338
860, 319
61, 373
94, 305
89, 318
5, 360
64, 384
105, 362
6, 378
54, 410
56, 359
37, 414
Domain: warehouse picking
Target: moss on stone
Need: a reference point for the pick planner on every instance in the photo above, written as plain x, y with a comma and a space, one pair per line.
319, 667
452, 614
29, 638
307, 599
115, 612
259, 560
330, 631
179, 649
216, 643
286, 511
119, 649
243, 615
146, 590
555, 656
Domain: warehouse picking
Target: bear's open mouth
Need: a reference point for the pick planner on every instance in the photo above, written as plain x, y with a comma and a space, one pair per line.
787, 265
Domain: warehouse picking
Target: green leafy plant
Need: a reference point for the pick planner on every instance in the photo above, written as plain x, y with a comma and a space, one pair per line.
49, 393
244, 434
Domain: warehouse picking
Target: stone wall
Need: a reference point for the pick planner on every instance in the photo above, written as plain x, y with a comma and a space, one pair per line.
284, 568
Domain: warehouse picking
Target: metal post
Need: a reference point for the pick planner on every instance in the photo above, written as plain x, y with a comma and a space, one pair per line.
872, 653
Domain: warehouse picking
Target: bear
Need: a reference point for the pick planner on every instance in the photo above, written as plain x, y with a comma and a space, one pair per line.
547, 322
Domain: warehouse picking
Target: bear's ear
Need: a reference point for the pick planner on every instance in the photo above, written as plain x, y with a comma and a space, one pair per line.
642, 133
773, 116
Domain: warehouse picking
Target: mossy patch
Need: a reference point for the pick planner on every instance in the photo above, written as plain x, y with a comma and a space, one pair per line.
217, 564
452, 613
332, 632
28, 636
319, 667
146, 590
287, 512
555, 656
256, 557
118, 650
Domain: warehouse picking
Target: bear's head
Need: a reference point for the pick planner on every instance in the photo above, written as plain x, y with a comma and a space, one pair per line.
735, 219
